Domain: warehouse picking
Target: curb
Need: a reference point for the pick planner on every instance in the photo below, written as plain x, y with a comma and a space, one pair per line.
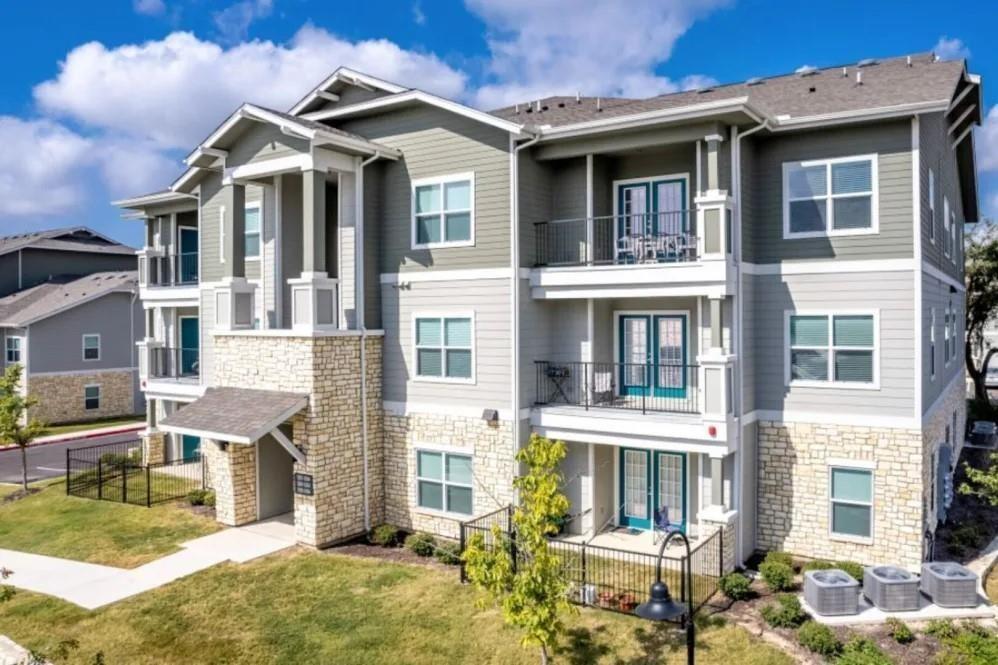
81, 436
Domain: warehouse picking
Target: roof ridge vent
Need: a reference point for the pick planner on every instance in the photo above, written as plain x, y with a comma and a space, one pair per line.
845, 72
859, 78
755, 80
807, 70
867, 62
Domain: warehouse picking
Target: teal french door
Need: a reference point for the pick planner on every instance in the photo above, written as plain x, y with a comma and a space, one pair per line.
653, 355
190, 447
651, 481
651, 208
189, 345
188, 255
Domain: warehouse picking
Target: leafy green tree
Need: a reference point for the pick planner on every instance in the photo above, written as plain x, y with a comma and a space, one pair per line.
982, 483
530, 590
981, 267
15, 425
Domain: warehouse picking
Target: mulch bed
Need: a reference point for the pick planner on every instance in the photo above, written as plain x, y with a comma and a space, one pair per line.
967, 513
364, 549
20, 494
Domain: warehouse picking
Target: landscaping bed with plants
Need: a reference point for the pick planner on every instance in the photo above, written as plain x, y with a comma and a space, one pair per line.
391, 543
771, 603
971, 521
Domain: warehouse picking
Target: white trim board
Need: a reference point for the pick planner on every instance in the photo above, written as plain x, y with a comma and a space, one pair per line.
819, 418
933, 271
395, 408
829, 266
86, 372
446, 275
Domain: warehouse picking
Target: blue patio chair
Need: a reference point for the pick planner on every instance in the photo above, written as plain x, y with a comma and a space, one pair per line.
662, 527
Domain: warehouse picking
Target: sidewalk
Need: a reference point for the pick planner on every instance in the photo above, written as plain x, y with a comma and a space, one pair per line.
83, 434
91, 585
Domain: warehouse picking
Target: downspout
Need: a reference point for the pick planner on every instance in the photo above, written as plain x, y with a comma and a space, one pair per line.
739, 312
514, 251
359, 307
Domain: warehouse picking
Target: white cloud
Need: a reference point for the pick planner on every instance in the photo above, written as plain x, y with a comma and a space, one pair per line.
234, 21
986, 142
951, 49
418, 16
149, 7
558, 47
174, 91
41, 167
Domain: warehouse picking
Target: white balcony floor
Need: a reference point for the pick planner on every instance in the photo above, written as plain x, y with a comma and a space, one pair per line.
630, 540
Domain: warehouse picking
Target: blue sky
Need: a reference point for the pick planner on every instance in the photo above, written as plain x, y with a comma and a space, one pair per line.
102, 99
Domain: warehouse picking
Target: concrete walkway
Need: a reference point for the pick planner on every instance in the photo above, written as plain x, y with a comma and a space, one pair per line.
91, 586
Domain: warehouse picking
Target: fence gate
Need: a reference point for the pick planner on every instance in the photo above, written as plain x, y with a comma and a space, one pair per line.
114, 472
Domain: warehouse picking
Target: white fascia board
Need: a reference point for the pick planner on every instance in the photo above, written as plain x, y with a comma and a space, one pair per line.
419, 96
349, 76
652, 117
152, 199
784, 123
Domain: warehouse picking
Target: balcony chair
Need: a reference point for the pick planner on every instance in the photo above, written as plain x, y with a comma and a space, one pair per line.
626, 246
661, 526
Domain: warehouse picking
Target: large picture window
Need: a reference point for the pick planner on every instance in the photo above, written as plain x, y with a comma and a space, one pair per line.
851, 494
830, 197
444, 481
443, 211
444, 348
832, 349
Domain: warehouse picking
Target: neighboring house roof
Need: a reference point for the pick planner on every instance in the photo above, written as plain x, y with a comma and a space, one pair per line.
240, 415
814, 92
60, 294
73, 238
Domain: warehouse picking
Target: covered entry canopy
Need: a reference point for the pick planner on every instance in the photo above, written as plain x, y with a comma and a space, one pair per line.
237, 415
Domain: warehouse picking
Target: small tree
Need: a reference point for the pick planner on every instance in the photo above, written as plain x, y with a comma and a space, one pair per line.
982, 302
531, 590
15, 426
982, 483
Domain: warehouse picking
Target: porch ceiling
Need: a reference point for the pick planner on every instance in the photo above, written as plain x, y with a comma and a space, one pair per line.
237, 415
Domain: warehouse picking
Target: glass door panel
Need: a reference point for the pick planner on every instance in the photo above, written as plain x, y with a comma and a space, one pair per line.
634, 354
670, 375
635, 488
670, 487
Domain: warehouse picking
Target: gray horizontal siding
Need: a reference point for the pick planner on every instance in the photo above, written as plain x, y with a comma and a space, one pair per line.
936, 295
771, 295
935, 153
489, 299
763, 225
437, 143
213, 197
261, 142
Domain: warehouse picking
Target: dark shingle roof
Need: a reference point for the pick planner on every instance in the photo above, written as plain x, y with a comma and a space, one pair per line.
60, 293
889, 82
73, 238
242, 415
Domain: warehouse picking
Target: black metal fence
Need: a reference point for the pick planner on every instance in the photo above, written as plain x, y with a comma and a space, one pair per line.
172, 363
115, 472
610, 578
661, 237
630, 386
174, 270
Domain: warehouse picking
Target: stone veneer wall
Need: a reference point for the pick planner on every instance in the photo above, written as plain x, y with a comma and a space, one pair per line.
233, 474
60, 396
493, 466
793, 504
153, 447
327, 369
934, 436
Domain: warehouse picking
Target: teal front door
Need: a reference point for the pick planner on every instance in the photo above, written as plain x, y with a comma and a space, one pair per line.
189, 345
652, 482
653, 355
188, 257
191, 447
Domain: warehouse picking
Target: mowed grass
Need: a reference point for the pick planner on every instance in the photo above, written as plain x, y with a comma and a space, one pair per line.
72, 428
312, 607
54, 524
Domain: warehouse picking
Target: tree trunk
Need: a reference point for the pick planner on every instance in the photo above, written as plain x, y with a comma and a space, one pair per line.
24, 468
544, 655
979, 376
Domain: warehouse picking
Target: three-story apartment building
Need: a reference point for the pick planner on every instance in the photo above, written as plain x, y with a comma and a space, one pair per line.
739, 306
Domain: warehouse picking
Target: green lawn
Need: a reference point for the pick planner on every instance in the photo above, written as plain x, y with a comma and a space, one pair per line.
92, 424
52, 523
311, 607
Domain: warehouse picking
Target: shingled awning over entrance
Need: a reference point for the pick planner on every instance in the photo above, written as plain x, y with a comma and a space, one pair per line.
237, 415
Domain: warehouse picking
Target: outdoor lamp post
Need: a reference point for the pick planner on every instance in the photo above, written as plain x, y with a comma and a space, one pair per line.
661, 606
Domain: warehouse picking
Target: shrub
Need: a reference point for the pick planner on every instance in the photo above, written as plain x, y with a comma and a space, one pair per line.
735, 586
969, 536
817, 564
941, 629
818, 638
900, 631
786, 613
854, 569
779, 557
861, 651
971, 646
384, 535
777, 575
199, 497
422, 544
209, 499
448, 553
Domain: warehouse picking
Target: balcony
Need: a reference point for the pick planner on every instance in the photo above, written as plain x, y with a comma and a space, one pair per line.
174, 364
645, 388
168, 279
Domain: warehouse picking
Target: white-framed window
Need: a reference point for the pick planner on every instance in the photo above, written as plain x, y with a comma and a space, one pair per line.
253, 235
932, 206
444, 481
13, 349
443, 211
91, 346
832, 349
91, 397
444, 347
953, 231
932, 343
221, 234
850, 493
947, 322
946, 219
829, 197
953, 332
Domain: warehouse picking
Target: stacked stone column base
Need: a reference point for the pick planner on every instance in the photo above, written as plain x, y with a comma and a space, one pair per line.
715, 519
153, 448
233, 477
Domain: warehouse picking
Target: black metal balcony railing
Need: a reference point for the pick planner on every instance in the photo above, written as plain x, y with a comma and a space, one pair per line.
167, 363
173, 270
630, 386
647, 238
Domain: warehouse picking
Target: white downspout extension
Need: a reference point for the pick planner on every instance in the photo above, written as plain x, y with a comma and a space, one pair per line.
359, 309
514, 251
736, 171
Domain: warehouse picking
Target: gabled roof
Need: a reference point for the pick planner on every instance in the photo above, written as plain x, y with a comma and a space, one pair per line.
350, 77
60, 294
237, 415
71, 238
